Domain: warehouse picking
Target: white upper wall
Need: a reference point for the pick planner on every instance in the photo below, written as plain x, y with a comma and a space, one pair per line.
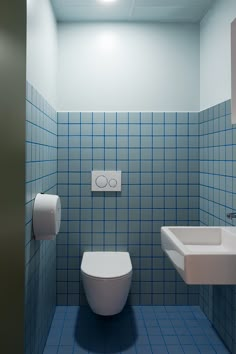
215, 53
42, 48
136, 66
128, 67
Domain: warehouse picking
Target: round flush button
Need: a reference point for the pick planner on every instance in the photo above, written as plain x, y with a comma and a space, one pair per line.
113, 183
101, 181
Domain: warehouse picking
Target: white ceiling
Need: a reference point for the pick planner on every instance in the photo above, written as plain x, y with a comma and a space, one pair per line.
131, 10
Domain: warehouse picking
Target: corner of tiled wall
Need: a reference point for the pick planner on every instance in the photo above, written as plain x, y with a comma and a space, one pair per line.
218, 197
40, 256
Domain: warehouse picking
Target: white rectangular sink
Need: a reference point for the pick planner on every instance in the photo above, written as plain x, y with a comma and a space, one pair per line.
202, 255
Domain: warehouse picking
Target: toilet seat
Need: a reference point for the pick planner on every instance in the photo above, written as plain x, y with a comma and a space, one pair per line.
106, 265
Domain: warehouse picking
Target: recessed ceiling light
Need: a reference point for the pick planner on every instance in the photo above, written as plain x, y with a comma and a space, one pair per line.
107, 1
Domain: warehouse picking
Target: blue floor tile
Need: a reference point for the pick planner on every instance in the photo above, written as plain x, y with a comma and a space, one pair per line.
190, 349
137, 330
54, 336
80, 351
191, 323
151, 323
129, 351
142, 340
153, 331
161, 315
182, 331
186, 340
159, 349
171, 340
200, 339
214, 339
58, 323
142, 331
165, 323
196, 330
175, 349
50, 349
141, 349
220, 349
168, 331
65, 349
154, 340
206, 349
174, 316
188, 316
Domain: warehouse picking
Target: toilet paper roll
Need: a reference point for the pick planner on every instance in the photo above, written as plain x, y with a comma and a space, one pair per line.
46, 216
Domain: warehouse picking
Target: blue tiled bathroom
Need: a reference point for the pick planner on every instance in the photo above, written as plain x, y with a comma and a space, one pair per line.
122, 129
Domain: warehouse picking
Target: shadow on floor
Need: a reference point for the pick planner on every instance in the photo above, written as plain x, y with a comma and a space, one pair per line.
99, 334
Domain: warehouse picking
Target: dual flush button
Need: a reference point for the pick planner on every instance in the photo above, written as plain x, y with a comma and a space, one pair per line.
106, 181
102, 181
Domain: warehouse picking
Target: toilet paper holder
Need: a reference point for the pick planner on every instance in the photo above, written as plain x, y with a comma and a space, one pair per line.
46, 216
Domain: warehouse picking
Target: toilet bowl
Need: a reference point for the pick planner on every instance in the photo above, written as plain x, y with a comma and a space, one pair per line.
106, 278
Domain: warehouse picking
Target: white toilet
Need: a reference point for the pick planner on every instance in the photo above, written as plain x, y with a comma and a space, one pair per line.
106, 278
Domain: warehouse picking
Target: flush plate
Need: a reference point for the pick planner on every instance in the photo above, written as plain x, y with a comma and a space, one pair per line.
106, 181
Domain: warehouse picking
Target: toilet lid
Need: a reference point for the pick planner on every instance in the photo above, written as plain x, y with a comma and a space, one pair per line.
106, 264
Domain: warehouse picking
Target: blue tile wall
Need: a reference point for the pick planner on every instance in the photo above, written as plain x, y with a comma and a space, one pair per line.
159, 158
40, 256
217, 145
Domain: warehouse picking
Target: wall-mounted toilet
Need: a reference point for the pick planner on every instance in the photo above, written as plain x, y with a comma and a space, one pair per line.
106, 278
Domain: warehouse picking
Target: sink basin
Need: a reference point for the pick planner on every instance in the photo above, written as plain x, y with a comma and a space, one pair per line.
202, 255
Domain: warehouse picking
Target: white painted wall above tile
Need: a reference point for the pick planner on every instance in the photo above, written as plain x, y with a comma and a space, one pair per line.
215, 53
42, 48
128, 67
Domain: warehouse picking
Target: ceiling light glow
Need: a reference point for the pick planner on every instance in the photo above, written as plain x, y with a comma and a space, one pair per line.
107, 1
